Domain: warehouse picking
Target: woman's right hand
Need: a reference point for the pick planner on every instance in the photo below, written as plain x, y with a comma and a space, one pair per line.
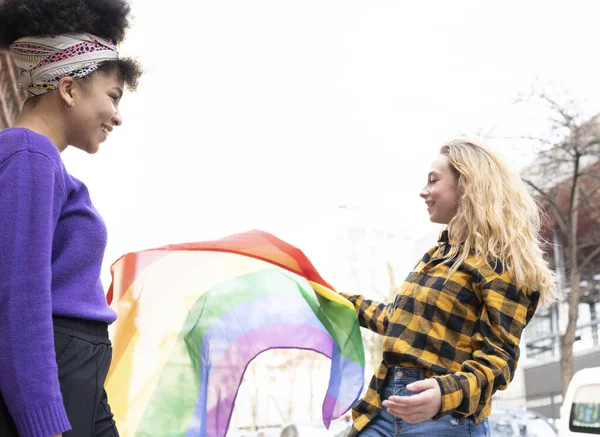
57, 435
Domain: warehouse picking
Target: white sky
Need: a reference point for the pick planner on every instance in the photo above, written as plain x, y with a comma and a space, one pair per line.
268, 114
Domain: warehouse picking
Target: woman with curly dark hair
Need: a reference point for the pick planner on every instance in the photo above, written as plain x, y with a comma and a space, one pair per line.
54, 345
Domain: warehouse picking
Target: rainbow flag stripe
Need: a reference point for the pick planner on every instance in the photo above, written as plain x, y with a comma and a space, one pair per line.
193, 316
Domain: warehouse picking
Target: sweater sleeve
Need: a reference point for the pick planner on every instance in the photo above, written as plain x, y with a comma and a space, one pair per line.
32, 192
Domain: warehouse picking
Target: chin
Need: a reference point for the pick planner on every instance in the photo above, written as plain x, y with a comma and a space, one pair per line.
90, 149
434, 219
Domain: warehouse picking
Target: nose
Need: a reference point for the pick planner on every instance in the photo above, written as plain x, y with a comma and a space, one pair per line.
424, 193
116, 119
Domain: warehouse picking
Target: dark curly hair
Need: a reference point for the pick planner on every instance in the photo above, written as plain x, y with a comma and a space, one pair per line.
104, 18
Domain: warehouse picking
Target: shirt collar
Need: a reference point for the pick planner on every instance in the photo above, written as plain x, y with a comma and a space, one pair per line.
443, 238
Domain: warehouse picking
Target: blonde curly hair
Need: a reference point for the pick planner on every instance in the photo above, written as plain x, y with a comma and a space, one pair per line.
497, 219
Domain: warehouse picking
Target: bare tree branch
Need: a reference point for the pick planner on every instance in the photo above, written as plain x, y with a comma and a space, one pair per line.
589, 145
560, 109
588, 259
590, 203
574, 186
562, 222
584, 246
526, 137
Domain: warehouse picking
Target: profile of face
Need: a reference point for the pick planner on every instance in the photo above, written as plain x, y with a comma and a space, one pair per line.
95, 110
441, 191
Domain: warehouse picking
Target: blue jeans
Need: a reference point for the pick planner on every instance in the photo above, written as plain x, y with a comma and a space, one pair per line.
386, 425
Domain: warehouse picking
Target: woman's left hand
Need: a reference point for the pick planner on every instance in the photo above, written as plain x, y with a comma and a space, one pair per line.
416, 408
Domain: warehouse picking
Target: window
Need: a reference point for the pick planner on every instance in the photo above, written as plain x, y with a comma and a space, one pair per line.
585, 412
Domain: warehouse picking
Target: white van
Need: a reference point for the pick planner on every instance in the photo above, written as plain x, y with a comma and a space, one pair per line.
580, 411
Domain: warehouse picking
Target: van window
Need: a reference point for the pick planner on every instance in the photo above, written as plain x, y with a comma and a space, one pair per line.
585, 411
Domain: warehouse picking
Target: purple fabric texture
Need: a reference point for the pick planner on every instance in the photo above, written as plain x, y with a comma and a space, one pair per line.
52, 242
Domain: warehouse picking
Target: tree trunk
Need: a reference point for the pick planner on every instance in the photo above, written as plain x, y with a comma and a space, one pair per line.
568, 338
594, 317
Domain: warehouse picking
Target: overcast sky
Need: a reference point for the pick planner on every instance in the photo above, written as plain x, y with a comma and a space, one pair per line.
270, 114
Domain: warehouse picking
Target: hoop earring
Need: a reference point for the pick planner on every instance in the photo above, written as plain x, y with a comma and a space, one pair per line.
70, 107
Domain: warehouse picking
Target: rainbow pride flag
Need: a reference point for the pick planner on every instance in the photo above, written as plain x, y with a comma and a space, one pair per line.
193, 316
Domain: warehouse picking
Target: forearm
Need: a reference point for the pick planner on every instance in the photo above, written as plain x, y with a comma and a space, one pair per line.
471, 389
28, 371
504, 315
371, 315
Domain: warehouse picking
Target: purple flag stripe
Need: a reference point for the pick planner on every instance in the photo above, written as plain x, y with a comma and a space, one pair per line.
251, 315
224, 380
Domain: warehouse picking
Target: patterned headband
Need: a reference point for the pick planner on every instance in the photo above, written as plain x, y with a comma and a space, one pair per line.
43, 61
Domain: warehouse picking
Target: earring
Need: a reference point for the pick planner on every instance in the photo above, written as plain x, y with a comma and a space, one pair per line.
70, 107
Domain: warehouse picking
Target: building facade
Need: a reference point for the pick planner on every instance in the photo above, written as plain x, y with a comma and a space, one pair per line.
542, 340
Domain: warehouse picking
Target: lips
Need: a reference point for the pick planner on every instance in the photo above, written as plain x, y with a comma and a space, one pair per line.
106, 130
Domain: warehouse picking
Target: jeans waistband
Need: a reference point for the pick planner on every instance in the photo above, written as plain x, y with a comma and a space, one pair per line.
400, 373
87, 327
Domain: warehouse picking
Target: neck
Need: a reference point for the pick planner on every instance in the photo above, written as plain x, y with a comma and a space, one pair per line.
40, 120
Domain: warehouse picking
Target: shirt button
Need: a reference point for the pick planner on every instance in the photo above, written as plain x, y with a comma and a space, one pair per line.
399, 374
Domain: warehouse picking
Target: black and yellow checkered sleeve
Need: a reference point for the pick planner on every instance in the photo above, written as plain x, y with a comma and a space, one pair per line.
505, 312
371, 315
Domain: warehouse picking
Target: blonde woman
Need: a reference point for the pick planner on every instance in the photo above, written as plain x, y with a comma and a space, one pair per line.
451, 336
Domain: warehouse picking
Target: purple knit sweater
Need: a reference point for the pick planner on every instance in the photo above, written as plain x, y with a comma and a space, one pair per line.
52, 242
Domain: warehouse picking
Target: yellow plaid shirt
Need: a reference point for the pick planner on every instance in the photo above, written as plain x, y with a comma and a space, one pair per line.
464, 331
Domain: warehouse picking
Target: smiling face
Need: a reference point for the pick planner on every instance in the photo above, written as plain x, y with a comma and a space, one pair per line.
441, 191
95, 112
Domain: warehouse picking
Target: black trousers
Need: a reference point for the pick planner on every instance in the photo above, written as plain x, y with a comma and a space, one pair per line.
83, 355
